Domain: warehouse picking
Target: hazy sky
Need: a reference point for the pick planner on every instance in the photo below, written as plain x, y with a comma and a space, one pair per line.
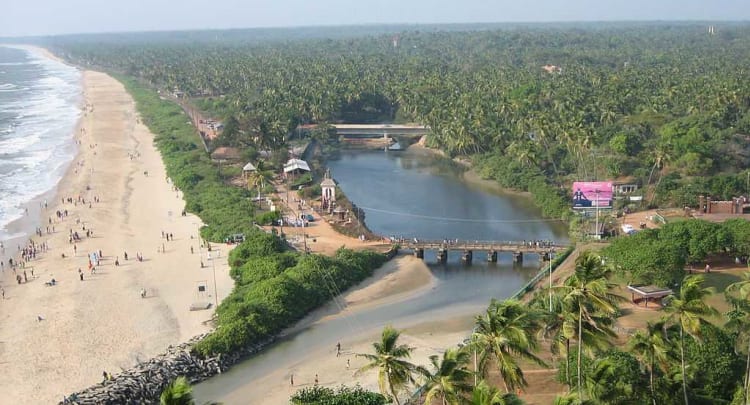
45, 17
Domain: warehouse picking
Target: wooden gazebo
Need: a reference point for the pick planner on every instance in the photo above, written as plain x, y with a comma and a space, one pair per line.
647, 293
247, 169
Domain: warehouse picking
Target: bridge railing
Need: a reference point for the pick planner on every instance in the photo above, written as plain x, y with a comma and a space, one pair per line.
447, 243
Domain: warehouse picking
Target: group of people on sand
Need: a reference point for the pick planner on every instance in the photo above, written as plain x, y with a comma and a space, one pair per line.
316, 381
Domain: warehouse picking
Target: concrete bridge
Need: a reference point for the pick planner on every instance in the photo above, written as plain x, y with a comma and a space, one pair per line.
373, 130
467, 248
378, 130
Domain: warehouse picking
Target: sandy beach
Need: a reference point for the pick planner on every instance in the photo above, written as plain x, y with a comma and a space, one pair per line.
58, 339
399, 279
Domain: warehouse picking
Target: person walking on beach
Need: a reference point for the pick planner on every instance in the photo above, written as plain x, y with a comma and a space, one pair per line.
2, 290
316, 379
338, 349
291, 379
80, 274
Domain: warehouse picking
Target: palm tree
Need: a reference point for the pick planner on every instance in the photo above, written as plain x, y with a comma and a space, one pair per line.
739, 289
483, 394
450, 379
178, 392
586, 293
688, 311
739, 323
572, 399
560, 327
259, 177
505, 332
394, 373
739, 320
652, 348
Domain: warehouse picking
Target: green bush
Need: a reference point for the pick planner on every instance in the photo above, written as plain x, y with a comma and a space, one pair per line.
553, 201
268, 218
275, 289
658, 256
317, 395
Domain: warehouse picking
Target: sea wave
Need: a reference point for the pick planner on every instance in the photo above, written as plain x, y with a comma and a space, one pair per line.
36, 140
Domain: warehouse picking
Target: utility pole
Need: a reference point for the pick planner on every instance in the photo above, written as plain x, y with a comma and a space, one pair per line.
597, 214
550, 281
216, 292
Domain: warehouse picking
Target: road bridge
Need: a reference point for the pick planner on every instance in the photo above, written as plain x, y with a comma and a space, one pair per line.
544, 249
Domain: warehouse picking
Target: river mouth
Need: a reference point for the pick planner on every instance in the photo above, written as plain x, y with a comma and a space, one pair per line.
405, 194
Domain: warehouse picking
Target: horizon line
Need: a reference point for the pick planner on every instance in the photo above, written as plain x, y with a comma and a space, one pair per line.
375, 24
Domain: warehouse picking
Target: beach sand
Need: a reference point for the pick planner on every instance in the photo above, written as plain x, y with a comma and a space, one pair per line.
399, 279
102, 323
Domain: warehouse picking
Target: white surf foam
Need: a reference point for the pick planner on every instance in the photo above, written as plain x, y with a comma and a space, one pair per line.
37, 146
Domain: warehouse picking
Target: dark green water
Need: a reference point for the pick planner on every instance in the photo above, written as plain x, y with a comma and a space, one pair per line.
411, 195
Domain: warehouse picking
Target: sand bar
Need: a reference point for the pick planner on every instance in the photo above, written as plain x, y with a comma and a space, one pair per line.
102, 323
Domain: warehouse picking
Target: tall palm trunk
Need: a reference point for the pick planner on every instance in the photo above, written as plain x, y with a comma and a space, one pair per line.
580, 344
393, 392
567, 361
651, 379
682, 362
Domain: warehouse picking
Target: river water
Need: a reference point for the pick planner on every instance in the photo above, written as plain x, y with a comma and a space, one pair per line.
409, 194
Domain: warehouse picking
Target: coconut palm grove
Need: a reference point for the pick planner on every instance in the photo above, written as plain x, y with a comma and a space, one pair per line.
534, 108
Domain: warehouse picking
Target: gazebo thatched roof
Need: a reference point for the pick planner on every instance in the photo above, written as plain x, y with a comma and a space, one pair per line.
650, 291
296, 164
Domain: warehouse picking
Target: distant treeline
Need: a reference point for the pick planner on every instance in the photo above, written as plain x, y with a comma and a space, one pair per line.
662, 105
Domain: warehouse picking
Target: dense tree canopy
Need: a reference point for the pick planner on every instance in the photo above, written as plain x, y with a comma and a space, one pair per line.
639, 100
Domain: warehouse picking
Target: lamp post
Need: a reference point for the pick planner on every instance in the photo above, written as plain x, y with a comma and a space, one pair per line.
597, 214
216, 291
550, 281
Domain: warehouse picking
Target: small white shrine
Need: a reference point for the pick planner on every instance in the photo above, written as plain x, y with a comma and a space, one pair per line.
328, 190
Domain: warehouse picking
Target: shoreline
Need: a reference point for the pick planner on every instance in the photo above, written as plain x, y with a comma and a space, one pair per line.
100, 322
21, 229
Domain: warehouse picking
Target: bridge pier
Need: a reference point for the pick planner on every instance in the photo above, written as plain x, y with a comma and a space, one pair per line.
491, 256
467, 256
442, 256
419, 253
518, 257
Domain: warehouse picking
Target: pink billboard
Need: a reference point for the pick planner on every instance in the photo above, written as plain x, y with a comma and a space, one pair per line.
592, 194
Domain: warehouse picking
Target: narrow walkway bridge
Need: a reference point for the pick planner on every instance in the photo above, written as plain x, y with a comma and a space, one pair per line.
544, 249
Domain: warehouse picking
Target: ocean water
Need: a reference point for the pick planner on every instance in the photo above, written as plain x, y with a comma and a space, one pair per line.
40, 103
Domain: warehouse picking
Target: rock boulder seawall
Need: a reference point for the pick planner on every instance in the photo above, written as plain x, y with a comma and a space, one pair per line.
143, 383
